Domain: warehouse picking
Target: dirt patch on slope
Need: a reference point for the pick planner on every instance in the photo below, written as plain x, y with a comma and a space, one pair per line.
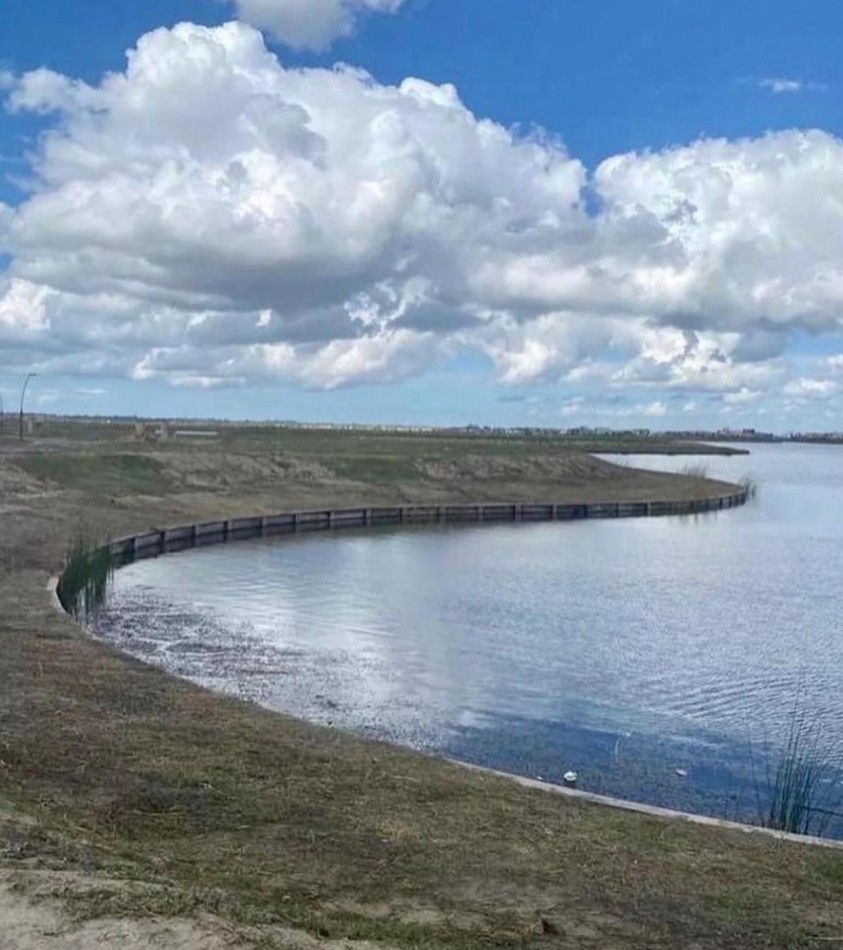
193, 470
571, 468
43, 925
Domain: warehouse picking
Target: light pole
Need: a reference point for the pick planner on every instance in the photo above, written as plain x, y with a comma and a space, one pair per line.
22, 397
2, 416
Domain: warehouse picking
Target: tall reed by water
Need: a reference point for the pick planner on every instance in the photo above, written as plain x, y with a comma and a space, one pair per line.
802, 792
85, 578
695, 470
750, 486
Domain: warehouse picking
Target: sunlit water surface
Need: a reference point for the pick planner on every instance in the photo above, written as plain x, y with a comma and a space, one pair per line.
632, 651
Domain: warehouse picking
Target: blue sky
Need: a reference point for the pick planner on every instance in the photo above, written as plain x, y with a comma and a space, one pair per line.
696, 283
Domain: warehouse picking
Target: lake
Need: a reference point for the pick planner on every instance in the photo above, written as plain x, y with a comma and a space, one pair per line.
663, 659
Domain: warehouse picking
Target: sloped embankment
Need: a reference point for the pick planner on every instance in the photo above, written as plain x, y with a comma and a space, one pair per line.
215, 807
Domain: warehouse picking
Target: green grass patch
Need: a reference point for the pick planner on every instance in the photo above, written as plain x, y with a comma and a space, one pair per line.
377, 468
442, 443
123, 474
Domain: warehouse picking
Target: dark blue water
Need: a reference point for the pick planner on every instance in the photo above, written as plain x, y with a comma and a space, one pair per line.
631, 651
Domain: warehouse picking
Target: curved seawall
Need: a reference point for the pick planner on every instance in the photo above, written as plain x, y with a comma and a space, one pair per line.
181, 537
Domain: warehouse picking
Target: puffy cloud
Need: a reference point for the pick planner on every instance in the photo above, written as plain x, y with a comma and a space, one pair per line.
811, 388
23, 311
654, 409
388, 357
208, 196
309, 24
210, 217
742, 397
746, 239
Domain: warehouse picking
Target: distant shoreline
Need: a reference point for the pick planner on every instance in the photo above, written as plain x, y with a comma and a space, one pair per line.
675, 448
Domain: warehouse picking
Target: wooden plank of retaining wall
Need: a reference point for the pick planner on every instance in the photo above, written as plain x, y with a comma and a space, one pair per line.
421, 514
148, 540
242, 525
497, 512
283, 522
210, 527
349, 518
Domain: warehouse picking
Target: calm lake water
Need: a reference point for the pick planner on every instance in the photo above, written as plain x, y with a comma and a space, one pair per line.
632, 651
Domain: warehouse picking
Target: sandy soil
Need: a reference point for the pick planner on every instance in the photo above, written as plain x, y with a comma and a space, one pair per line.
27, 923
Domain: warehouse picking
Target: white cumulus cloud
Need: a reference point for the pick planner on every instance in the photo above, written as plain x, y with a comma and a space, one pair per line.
211, 217
811, 388
309, 24
742, 396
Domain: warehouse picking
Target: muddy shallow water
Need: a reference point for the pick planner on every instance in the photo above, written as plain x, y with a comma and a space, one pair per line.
662, 659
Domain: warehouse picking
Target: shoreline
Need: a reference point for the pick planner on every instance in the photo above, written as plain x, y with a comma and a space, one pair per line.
192, 803
652, 811
172, 540
175, 539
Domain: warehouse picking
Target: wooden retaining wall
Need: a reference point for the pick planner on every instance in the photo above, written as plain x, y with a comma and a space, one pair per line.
155, 543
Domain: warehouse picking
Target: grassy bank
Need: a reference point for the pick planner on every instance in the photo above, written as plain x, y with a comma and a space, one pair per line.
133, 794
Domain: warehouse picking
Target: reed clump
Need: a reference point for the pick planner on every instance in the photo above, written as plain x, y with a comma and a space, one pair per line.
695, 470
84, 581
803, 792
750, 486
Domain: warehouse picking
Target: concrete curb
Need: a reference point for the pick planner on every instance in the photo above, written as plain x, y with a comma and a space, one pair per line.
53, 592
652, 811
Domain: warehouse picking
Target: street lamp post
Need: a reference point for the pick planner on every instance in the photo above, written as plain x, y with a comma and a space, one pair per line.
22, 397
2, 416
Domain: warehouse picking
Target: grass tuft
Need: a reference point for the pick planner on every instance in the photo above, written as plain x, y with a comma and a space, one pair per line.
750, 485
696, 470
84, 581
802, 789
